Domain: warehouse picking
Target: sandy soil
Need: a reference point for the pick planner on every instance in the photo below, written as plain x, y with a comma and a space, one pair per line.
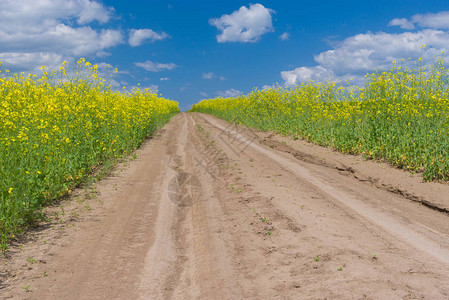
209, 210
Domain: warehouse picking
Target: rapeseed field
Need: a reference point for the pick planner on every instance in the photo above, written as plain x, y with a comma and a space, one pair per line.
55, 129
400, 115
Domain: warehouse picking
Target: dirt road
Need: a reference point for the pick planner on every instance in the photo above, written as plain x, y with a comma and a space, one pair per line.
213, 211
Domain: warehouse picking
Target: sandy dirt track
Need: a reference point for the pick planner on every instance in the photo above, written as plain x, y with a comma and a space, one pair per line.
209, 210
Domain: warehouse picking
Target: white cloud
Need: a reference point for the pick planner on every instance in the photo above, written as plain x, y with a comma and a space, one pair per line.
31, 61
403, 23
109, 38
209, 75
155, 67
204, 94
61, 39
152, 87
53, 28
102, 53
92, 10
113, 83
438, 20
229, 93
26, 13
244, 25
363, 53
357, 55
285, 36
138, 36
165, 78
305, 74
266, 87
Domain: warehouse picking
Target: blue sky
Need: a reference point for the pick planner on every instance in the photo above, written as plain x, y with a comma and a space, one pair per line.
191, 50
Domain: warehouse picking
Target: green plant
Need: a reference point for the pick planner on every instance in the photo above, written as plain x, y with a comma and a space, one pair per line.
74, 214
31, 260
27, 288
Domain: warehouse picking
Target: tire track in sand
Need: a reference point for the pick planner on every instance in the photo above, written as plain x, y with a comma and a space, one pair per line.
434, 243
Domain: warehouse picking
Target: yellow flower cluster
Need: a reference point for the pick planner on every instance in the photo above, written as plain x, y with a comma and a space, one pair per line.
400, 115
62, 125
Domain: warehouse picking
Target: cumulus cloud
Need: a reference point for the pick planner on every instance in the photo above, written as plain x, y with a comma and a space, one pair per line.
27, 61
61, 39
92, 10
438, 20
305, 74
164, 79
244, 25
365, 52
138, 36
229, 93
53, 28
362, 53
25, 13
402, 22
155, 66
285, 36
209, 75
